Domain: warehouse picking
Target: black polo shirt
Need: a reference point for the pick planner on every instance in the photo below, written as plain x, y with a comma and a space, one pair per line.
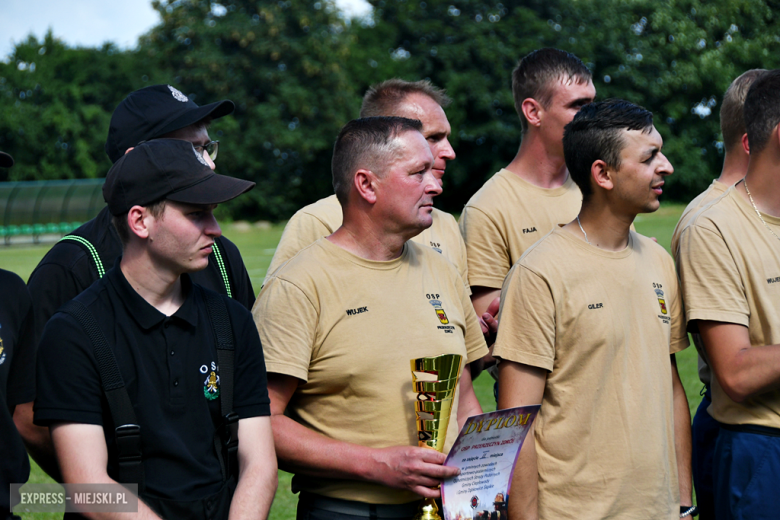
67, 269
169, 366
17, 379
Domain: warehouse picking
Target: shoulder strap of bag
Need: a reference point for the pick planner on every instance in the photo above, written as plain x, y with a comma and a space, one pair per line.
127, 431
87, 246
217, 248
228, 430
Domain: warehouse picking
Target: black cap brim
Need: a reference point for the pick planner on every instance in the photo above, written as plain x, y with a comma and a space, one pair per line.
212, 110
215, 189
6, 161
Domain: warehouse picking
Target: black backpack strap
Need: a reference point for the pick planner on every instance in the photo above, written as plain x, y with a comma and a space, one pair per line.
228, 430
217, 248
88, 248
127, 432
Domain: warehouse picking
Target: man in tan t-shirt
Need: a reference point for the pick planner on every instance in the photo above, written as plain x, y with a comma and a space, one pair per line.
729, 263
737, 151
704, 430
522, 202
589, 317
396, 97
340, 322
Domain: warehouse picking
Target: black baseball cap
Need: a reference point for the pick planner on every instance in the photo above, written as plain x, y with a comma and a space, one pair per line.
152, 112
168, 169
6, 161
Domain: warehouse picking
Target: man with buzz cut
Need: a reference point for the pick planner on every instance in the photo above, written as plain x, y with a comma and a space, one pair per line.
148, 378
395, 97
704, 430
591, 318
534, 193
86, 254
365, 301
729, 264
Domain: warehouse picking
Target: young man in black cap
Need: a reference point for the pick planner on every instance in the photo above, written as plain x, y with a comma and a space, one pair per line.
17, 369
84, 256
168, 339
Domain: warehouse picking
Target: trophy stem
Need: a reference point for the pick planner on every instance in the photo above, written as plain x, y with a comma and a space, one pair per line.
428, 510
433, 408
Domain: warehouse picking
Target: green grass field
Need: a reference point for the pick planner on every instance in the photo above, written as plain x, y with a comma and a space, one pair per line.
257, 247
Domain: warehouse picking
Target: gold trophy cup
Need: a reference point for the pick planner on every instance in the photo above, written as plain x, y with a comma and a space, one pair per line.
435, 380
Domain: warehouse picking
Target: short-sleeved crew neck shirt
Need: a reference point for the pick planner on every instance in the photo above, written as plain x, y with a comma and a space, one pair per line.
348, 328
729, 265
505, 217
169, 367
715, 190
603, 324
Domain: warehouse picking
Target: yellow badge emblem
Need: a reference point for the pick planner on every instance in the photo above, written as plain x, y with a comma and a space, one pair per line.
661, 301
439, 311
211, 386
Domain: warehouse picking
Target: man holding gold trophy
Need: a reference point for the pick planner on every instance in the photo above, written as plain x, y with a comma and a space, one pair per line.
340, 323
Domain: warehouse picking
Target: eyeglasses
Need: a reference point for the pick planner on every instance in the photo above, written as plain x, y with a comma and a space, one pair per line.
211, 148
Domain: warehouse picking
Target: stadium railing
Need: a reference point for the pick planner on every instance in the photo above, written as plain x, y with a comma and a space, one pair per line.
37, 208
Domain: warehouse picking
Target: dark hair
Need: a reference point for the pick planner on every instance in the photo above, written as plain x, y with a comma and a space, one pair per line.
536, 73
732, 119
383, 98
762, 109
595, 134
156, 208
366, 143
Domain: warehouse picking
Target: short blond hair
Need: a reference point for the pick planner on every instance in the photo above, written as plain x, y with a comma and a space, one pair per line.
383, 99
732, 118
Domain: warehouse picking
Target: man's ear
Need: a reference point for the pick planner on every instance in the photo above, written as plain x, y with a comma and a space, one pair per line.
365, 185
138, 220
602, 175
532, 110
745, 143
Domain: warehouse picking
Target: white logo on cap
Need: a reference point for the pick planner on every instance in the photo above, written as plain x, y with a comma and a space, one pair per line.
200, 157
177, 95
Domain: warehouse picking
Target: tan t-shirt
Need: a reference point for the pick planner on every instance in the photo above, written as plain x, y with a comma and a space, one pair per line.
348, 327
603, 324
715, 190
323, 217
505, 217
729, 264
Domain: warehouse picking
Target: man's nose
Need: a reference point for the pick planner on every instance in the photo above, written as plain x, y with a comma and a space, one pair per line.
209, 161
212, 226
666, 167
447, 152
434, 186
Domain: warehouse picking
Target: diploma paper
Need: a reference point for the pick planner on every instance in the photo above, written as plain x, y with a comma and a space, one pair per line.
485, 451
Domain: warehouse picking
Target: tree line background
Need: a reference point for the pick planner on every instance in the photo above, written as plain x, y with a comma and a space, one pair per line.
297, 71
